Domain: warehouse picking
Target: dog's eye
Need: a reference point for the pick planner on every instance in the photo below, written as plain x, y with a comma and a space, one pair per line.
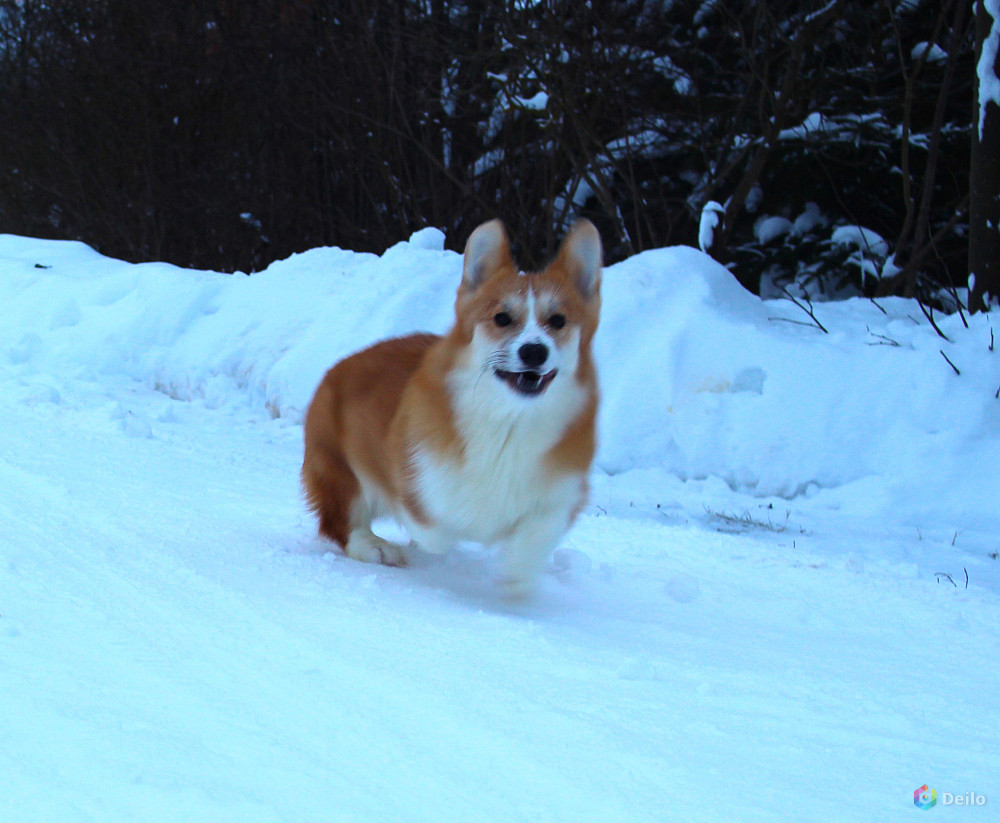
502, 318
557, 321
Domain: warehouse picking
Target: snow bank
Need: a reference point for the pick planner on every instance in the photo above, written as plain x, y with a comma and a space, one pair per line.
700, 379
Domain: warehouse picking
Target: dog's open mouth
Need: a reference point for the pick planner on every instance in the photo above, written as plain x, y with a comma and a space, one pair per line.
527, 382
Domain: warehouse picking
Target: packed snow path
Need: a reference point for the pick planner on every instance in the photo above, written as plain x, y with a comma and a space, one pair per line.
176, 644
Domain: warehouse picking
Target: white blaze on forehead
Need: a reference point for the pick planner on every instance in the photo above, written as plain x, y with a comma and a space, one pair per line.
531, 327
542, 302
532, 303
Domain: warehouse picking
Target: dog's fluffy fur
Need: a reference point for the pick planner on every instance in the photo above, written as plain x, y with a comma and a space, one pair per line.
485, 434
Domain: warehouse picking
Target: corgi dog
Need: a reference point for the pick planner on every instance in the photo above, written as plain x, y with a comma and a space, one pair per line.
485, 434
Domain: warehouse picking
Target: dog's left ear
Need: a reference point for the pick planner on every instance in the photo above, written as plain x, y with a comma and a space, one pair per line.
581, 256
486, 250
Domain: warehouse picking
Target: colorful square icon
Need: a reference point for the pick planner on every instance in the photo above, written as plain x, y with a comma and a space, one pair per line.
925, 797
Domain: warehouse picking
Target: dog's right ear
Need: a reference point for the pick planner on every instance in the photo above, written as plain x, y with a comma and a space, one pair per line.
581, 255
487, 249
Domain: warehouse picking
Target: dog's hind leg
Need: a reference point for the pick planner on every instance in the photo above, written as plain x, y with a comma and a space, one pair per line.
332, 491
345, 517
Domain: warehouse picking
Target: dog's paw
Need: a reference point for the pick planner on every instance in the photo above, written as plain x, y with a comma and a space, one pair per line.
517, 588
370, 548
392, 553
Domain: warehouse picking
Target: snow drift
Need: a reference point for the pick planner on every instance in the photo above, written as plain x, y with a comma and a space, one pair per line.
700, 379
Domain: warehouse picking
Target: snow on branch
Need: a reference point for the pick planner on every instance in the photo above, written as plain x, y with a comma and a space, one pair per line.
989, 83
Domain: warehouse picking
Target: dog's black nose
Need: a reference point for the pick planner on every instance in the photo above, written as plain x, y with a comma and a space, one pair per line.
533, 354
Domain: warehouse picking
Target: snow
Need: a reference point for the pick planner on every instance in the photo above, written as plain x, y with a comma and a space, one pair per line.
811, 218
870, 248
931, 52
844, 127
989, 83
765, 600
813, 123
861, 238
683, 84
647, 143
770, 228
711, 215
819, 12
537, 102
430, 238
704, 11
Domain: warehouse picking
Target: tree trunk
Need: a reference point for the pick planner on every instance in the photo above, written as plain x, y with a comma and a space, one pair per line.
984, 183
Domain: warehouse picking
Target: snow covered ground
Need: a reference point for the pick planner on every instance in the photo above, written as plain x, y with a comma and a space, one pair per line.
763, 615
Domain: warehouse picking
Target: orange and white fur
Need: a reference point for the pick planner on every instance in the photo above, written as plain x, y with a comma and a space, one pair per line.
485, 434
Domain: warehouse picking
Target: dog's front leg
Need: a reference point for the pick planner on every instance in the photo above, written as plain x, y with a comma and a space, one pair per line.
527, 550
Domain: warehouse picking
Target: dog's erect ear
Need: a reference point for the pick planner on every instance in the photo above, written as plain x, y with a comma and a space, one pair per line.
486, 249
581, 256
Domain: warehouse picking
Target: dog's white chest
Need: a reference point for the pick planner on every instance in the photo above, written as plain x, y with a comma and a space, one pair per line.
502, 478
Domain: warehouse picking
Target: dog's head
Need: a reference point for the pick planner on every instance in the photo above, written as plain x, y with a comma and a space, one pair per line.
529, 329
